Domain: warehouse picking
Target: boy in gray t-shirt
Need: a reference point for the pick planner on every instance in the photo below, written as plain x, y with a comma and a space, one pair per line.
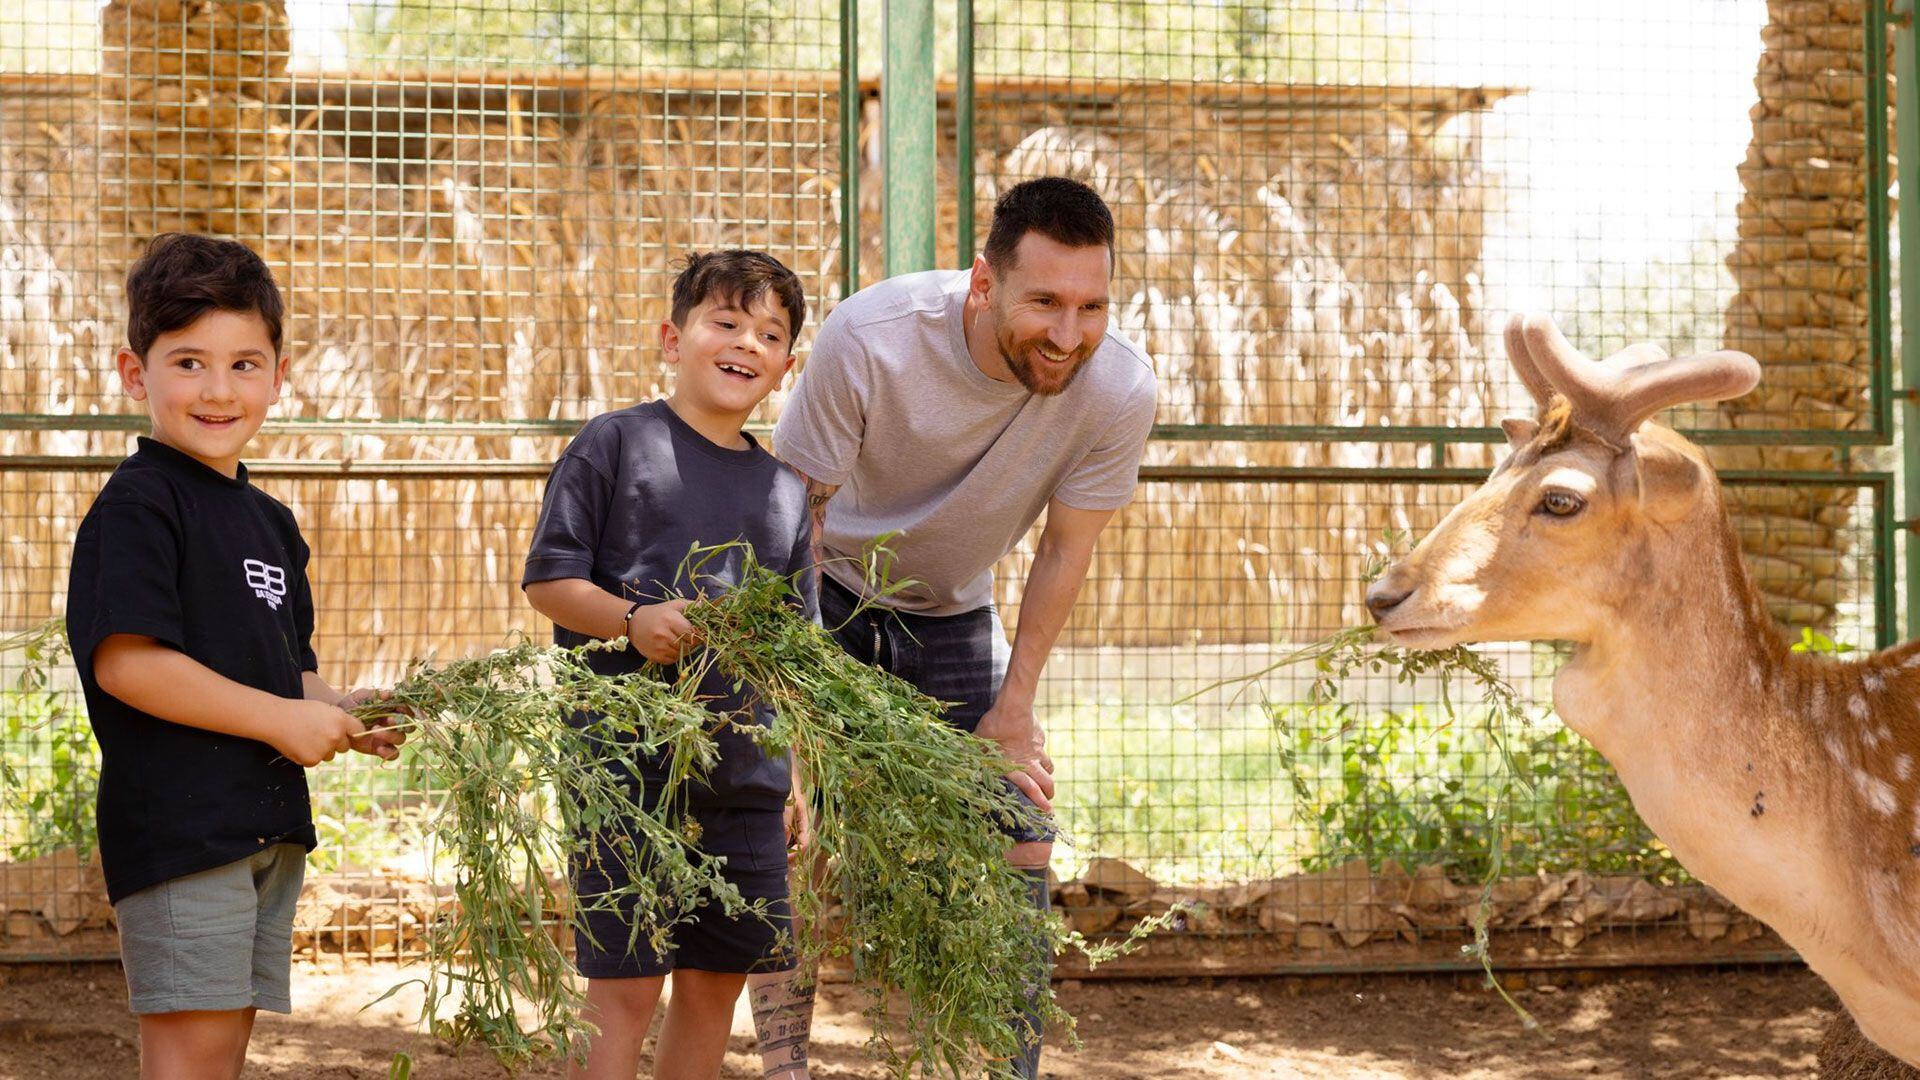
950, 409
631, 494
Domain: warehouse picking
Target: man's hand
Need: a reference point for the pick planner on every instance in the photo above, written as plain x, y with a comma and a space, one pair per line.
1060, 562
661, 632
310, 732
799, 822
382, 737
798, 816
1011, 724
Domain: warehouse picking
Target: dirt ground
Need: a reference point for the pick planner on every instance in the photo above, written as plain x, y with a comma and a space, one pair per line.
60, 1023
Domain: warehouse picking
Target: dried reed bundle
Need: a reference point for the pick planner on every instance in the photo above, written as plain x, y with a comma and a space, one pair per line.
190, 89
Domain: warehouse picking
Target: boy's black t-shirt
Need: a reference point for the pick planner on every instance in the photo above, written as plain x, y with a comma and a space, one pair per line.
217, 569
634, 491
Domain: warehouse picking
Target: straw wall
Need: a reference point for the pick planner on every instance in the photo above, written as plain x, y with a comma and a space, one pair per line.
513, 261
1801, 270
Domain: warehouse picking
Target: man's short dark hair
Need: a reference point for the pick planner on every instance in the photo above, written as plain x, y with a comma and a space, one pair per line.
182, 276
740, 278
1063, 210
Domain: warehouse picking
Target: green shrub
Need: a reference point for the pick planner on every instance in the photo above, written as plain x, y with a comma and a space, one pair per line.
49, 763
1407, 785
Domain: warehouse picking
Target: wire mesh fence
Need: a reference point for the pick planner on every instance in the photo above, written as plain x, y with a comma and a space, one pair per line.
460, 237
1339, 196
1323, 211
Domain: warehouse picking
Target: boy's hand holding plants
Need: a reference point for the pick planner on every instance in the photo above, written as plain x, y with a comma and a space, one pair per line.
383, 734
661, 632
311, 732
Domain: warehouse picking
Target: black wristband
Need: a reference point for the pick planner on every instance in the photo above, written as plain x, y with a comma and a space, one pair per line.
626, 623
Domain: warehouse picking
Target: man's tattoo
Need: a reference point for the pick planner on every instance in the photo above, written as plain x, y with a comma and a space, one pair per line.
817, 496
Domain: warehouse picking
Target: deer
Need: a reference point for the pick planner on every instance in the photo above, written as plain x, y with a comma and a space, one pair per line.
1787, 781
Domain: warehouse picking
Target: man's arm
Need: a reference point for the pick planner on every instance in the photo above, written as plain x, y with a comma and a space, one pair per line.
1059, 568
817, 496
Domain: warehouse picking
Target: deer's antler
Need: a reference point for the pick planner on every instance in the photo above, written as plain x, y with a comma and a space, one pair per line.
1613, 398
1523, 364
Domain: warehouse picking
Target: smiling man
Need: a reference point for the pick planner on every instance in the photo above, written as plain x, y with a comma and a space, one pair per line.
946, 411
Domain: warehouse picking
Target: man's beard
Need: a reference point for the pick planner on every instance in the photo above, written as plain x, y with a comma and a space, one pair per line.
1027, 370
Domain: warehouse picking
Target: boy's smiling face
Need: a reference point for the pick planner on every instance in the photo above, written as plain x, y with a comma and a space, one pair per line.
729, 356
207, 385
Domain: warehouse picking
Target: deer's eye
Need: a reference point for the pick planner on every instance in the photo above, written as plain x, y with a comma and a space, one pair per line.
1561, 503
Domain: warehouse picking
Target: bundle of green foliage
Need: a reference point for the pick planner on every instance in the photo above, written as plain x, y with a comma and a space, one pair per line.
519, 785
933, 912
519, 791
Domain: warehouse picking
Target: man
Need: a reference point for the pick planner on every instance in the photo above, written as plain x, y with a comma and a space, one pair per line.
947, 410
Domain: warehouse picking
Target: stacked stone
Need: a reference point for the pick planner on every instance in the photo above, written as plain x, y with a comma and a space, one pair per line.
1802, 301
192, 134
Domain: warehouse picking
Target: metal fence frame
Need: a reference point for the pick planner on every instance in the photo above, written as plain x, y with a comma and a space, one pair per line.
909, 103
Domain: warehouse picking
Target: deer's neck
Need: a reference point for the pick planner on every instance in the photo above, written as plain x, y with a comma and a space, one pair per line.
1685, 668
1789, 783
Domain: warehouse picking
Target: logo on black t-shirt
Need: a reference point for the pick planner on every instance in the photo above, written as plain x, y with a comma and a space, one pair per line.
269, 583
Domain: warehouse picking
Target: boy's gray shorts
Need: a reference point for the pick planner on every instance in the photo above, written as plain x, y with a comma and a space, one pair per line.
218, 939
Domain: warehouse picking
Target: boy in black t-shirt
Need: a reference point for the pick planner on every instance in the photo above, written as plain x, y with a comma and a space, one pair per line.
191, 626
631, 494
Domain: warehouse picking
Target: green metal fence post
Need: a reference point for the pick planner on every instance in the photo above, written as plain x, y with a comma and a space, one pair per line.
852, 108
1886, 621
1906, 79
909, 121
1879, 228
963, 130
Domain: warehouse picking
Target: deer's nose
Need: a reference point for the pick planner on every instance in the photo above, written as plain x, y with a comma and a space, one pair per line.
1383, 597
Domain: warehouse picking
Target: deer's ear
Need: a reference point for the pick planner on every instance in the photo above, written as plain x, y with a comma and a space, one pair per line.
1667, 481
1519, 430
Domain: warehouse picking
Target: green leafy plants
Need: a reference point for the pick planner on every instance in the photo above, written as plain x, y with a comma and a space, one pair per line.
933, 913
49, 763
524, 791
1412, 786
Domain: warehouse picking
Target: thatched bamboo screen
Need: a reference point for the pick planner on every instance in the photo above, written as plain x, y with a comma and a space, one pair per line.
190, 135
479, 245
477, 248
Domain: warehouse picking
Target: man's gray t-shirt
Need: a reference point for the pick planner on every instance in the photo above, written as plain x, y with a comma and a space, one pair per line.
922, 443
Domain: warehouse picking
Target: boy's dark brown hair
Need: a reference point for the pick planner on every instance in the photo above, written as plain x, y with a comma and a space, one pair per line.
1059, 208
182, 276
739, 278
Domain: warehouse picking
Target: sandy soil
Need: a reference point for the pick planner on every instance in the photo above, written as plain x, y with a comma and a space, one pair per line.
59, 1023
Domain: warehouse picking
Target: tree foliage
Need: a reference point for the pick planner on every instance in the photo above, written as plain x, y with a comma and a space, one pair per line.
1274, 40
